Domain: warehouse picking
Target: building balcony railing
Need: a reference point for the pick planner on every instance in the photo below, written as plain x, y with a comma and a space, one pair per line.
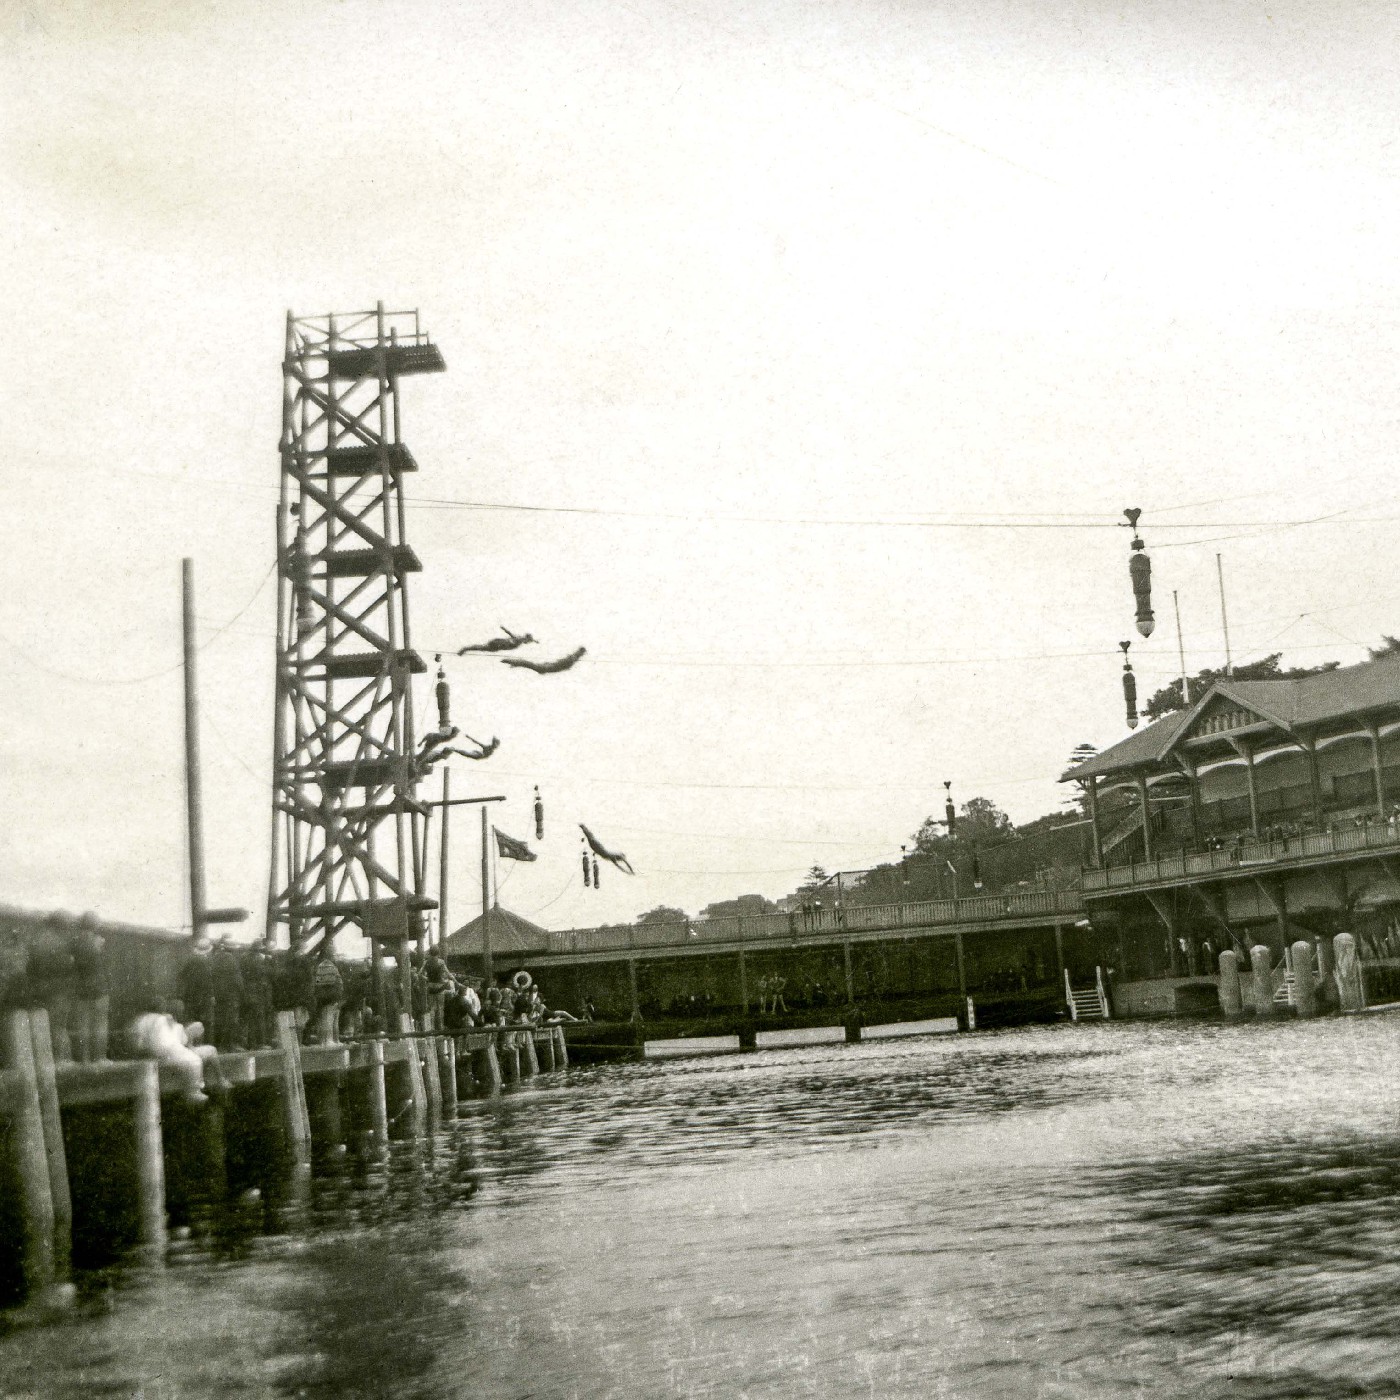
821, 925
1244, 856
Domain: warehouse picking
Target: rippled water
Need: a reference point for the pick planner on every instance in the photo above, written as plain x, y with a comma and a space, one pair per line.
1081, 1211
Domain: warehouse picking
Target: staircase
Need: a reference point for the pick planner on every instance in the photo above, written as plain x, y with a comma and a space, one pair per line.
1087, 1003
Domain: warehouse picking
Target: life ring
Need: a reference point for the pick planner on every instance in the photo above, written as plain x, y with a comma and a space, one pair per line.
520, 980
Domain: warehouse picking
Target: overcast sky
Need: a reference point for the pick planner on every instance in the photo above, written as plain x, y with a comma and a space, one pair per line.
770, 287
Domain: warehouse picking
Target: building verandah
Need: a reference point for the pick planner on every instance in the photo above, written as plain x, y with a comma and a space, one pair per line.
1265, 813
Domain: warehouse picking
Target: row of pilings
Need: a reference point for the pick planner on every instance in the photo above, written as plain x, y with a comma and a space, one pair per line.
1334, 983
97, 1160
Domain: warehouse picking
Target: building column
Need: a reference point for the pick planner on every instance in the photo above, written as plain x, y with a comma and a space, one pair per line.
1092, 788
1146, 810
1253, 792
1193, 786
1377, 770
1314, 778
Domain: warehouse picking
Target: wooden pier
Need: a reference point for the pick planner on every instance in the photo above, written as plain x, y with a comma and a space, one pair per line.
98, 1159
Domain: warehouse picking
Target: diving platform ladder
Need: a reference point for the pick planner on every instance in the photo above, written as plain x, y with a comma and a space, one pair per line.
1087, 1003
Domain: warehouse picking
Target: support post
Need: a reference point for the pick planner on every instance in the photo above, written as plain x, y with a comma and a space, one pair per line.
486, 1069
1060, 951
632, 988
1092, 788
447, 1073
194, 806
1231, 1000
508, 1055
443, 927
53, 1141
561, 1048
529, 1059
294, 1112
1145, 807
544, 1050
1377, 771
488, 976
962, 969
850, 978
27, 1131
1304, 990
150, 1160
378, 1098
1261, 962
418, 1094
743, 982
1350, 987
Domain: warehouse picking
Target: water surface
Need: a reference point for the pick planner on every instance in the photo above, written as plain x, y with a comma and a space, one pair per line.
1102, 1210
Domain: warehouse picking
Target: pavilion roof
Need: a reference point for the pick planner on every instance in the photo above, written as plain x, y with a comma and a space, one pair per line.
1302, 702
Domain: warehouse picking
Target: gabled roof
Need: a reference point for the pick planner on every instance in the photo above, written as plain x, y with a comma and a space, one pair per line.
1304, 701
509, 934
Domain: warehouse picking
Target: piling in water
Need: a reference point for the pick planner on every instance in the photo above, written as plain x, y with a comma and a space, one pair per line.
561, 1049
1261, 960
53, 1141
529, 1060
1350, 988
447, 1073
486, 1069
1231, 1002
30, 1159
508, 1053
544, 1050
1304, 992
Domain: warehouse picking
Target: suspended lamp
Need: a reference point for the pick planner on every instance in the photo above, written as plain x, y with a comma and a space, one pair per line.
1140, 571
1129, 688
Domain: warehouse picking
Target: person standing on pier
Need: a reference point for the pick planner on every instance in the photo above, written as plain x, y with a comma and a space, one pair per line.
226, 980
51, 980
91, 1009
438, 980
329, 988
195, 985
255, 964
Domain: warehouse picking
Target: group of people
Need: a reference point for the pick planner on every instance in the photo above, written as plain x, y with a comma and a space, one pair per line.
62, 970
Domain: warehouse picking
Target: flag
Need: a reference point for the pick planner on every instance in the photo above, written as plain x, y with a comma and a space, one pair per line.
508, 848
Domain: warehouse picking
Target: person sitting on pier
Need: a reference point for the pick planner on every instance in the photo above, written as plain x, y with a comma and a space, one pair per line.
88, 1028
157, 1035
226, 978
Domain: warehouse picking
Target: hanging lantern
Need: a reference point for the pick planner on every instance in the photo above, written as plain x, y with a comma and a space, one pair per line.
584, 858
597, 883
1129, 688
539, 816
950, 814
1140, 571
444, 698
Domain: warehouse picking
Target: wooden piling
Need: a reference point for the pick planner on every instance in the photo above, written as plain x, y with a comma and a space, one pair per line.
1261, 962
418, 1093
1327, 999
1304, 990
529, 1060
53, 1141
486, 1069
31, 1160
295, 1116
544, 1049
1350, 987
426, 1047
508, 1054
150, 1159
1231, 1000
378, 1104
447, 1073
561, 1049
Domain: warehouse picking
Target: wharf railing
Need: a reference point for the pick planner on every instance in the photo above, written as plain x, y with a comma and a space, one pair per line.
1244, 856
822, 925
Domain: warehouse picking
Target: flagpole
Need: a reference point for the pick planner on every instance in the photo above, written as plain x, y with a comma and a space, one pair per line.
443, 926
487, 975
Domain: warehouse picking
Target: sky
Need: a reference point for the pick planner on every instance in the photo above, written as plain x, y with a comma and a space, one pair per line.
826, 343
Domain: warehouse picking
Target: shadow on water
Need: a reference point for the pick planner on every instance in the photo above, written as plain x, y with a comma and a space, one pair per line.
1272, 1267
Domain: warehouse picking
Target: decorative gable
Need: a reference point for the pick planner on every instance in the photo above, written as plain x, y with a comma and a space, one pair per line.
1220, 716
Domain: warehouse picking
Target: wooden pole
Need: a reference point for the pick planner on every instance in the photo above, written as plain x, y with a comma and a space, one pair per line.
150, 1159
487, 974
53, 1141
1224, 621
378, 1099
443, 927
194, 809
295, 1116
27, 1130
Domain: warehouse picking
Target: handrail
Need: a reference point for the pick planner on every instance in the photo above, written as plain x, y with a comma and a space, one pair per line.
818, 925
1246, 853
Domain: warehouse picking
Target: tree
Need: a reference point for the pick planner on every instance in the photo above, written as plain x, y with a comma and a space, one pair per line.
1168, 700
734, 908
980, 820
1388, 647
663, 914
